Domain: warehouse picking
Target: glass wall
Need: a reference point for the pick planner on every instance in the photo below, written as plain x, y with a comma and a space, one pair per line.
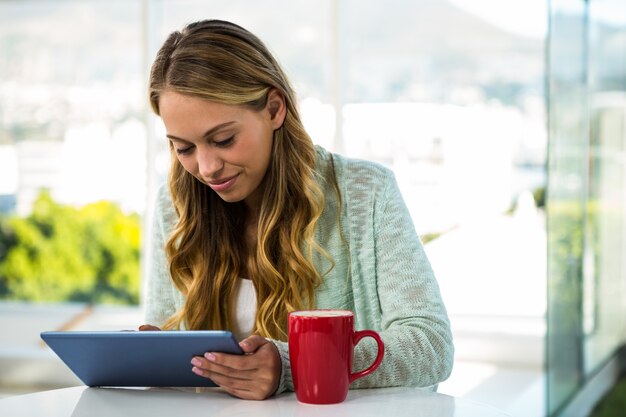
72, 150
586, 193
604, 312
459, 116
450, 94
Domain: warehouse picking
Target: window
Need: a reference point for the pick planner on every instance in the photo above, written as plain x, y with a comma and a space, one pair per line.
458, 115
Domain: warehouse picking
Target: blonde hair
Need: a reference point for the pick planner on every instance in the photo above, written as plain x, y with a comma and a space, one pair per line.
224, 63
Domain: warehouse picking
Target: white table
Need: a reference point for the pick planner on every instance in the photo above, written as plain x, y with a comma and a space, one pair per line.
155, 402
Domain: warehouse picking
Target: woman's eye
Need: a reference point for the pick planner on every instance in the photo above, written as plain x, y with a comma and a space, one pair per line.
184, 151
224, 143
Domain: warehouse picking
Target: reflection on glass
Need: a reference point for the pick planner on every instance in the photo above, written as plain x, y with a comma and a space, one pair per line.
586, 227
606, 312
566, 199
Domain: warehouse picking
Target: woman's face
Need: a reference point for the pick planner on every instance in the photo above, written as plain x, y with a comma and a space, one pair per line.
226, 147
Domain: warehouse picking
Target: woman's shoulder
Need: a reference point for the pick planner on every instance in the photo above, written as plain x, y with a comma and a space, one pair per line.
165, 212
355, 174
163, 197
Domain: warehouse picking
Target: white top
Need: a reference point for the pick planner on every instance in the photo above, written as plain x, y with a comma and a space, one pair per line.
244, 309
157, 402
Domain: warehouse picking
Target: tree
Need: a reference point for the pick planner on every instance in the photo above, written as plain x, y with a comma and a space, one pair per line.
61, 253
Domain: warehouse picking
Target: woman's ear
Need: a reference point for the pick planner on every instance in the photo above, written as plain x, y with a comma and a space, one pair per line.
276, 107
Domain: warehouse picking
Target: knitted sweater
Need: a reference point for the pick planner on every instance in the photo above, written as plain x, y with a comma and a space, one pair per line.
380, 272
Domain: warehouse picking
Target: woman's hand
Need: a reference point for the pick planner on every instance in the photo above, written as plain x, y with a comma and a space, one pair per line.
252, 376
148, 327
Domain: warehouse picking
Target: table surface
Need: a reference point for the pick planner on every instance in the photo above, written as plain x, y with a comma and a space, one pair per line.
95, 402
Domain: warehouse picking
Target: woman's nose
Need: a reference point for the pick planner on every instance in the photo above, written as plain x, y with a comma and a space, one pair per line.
209, 163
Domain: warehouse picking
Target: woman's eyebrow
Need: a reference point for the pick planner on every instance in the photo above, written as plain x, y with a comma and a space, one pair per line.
175, 139
206, 135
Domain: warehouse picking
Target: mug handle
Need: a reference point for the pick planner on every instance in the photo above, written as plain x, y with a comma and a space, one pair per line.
379, 357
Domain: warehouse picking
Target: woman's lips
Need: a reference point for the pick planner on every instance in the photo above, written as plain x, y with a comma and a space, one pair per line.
223, 184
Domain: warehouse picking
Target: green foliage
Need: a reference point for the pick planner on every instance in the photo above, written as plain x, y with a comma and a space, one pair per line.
614, 403
539, 194
61, 253
565, 252
429, 237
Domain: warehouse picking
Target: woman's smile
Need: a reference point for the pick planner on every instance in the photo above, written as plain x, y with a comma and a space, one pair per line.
223, 184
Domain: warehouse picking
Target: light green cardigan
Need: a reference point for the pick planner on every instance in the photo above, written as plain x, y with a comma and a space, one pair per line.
381, 273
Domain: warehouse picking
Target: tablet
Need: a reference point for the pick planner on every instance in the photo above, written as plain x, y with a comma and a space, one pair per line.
138, 358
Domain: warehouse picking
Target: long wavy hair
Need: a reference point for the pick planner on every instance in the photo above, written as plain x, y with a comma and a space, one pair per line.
224, 63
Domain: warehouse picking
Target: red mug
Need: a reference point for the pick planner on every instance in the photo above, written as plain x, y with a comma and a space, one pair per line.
321, 347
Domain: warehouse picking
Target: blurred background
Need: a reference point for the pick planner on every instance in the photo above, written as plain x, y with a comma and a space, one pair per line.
504, 121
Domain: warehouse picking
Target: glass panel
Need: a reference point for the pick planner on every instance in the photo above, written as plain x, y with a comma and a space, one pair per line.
605, 317
567, 188
72, 150
587, 194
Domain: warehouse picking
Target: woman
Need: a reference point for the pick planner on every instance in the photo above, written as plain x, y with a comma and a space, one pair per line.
258, 222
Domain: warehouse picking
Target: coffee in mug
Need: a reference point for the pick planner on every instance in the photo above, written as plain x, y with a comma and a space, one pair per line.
321, 348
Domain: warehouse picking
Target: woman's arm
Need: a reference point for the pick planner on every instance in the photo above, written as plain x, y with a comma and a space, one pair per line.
413, 319
402, 301
159, 290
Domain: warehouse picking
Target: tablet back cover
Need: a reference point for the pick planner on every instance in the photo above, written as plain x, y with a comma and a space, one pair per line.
133, 358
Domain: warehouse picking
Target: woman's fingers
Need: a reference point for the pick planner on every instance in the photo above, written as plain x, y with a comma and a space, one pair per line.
251, 343
246, 388
254, 375
145, 327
